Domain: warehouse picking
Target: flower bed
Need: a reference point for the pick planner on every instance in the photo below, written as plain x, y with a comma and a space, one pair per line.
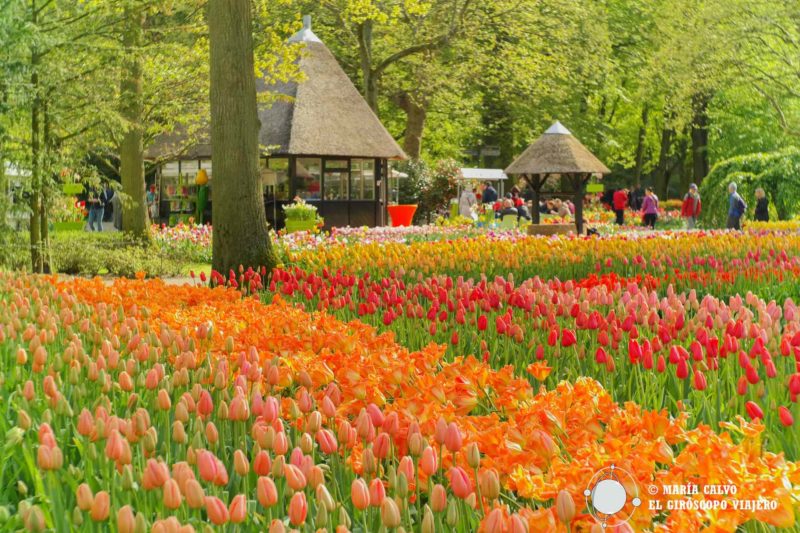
141, 405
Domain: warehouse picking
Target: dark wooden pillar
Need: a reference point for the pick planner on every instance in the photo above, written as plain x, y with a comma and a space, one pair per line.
579, 188
535, 181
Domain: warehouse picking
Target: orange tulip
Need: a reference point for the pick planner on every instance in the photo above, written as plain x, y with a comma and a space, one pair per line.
429, 462
126, 521
100, 506
216, 510
359, 494
195, 496
266, 491
84, 497
172, 494
238, 509
294, 477
438, 498
565, 507
298, 508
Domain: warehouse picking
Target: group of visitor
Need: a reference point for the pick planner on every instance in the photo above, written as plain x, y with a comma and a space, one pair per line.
100, 199
512, 204
622, 199
691, 206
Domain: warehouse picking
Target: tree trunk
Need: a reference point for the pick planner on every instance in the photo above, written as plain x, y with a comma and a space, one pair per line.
35, 202
369, 78
637, 174
662, 170
131, 149
700, 137
240, 225
416, 112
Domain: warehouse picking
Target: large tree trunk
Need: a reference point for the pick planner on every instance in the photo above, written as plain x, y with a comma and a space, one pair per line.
662, 170
637, 174
131, 149
240, 225
700, 137
416, 112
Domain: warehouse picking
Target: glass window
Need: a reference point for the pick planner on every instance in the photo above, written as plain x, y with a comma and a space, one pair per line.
189, 170
275, 177
308, 182
363, 179
337, 179
206, 165
170, 169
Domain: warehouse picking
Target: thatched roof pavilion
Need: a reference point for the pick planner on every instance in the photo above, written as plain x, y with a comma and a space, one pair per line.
323, 142
558, 153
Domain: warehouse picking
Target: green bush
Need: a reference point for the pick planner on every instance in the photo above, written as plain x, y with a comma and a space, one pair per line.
778, 173
89, 254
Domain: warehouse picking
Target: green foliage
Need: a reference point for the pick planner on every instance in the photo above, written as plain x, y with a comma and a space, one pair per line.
778, 173
300, 210
90, 254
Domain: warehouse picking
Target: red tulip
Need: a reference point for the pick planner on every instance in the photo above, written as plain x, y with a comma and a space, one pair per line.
483, 323
699, 380
785, 416
753, 410
568, 338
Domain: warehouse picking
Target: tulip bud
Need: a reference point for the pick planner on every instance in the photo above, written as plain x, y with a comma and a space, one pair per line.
23, 419
428, 522
140, 524
452, 514
390, 514
402, 485
489, 483
306, 443
416, 445
322, 516
240, 464
127, 477
565, 507
438, 498
344, 518
179, 433
473, 456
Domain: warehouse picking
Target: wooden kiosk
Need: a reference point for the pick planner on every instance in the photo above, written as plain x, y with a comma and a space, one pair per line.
557, 154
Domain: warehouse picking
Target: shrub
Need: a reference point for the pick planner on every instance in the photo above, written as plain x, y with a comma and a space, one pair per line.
778, 173
90, 254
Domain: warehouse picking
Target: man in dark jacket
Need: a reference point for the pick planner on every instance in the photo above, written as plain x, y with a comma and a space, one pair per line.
762, 206
489, 194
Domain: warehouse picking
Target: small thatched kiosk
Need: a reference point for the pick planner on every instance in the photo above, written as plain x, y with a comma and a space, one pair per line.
323, 144
557, 153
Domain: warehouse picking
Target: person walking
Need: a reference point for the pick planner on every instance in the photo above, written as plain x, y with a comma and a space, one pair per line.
465, 203
691, 207
489, 194
736, 208
96, 208
762, 206
620, 201
636, 198
650, 208
152, 205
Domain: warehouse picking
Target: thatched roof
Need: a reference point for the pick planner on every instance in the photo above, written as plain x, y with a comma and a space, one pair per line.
557, 151
324, 114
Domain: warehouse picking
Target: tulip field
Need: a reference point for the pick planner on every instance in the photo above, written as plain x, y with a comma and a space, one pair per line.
415, 381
